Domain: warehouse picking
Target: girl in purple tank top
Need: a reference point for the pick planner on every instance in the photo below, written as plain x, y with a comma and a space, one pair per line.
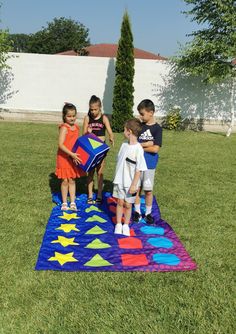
97, 123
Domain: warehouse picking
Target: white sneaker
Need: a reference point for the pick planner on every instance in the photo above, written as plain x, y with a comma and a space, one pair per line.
126, 230
118, 228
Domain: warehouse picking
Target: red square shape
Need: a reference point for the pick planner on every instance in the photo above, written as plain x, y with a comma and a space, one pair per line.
130, 243
111, 200
83, 155
112, 208
131, 260
132, 233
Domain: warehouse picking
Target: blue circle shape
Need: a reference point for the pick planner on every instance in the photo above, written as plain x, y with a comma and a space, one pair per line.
160, 242
152, 230
169, 259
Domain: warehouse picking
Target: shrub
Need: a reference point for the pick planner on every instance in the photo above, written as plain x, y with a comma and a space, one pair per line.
173, 120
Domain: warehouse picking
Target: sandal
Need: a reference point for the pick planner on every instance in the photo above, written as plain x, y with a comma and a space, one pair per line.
73, 206
99, 200
90, 200
64, 207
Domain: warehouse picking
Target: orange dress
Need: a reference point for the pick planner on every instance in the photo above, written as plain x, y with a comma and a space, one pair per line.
65, 167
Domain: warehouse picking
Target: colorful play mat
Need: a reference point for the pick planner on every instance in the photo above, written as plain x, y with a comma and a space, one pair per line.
85, 241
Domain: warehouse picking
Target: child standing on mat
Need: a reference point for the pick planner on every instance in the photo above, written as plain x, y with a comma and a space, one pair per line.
66, 168
130, 165
97, 123
151, 141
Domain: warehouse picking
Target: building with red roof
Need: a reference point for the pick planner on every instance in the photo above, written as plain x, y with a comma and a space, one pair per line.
110, 51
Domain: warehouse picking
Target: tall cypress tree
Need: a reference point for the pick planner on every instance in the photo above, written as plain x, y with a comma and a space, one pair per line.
123, 88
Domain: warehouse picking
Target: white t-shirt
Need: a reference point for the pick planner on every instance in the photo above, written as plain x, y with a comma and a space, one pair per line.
130, 159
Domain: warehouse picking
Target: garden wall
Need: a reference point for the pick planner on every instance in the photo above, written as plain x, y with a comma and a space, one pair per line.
36, 86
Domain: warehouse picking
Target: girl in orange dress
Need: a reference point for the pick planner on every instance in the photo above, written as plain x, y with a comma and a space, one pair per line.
66, 168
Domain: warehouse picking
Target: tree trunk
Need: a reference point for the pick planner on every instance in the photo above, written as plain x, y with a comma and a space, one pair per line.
232, 108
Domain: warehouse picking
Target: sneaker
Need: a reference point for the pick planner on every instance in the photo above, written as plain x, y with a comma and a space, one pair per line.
136, 217
149, 219
126, 230
118, 229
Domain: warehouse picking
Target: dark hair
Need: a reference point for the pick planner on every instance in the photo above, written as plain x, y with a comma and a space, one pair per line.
134, 125
94, 99
146, 104
67, 107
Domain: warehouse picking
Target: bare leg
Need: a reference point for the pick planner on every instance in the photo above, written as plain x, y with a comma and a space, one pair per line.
119, 210
100, 170
127, 215
90, 183
72, 190
64, 190
137, 198
148, 198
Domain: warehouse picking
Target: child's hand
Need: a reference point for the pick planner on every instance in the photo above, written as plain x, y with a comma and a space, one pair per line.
76, 158
132, 189
112, 140
89, 129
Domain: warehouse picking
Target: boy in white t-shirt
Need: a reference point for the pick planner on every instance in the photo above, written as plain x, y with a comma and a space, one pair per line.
130, 164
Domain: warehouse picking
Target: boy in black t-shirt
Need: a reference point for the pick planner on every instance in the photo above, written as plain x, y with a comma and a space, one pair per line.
151, 141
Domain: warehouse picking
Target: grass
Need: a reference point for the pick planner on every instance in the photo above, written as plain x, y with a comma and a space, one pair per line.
195, 188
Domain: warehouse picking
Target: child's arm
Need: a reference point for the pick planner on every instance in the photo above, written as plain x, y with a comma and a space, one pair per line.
109, 130
133, 188
154, 145
62, 137
86, 127
147, 144
151, 149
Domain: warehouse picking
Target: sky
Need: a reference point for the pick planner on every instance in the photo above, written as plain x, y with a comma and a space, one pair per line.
158, 26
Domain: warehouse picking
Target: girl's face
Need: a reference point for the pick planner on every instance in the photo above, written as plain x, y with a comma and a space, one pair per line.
95, 109
70, 117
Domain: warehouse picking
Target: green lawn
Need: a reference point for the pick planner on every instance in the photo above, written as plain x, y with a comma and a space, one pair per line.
195, 187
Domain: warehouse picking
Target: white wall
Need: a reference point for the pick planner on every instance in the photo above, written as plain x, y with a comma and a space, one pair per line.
44, 82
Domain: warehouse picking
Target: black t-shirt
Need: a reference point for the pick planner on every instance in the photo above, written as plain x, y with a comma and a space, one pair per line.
151, 133
98, 127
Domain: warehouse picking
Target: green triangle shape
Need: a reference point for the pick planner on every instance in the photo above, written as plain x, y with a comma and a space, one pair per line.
96, 218
98, 261
93, 208
96, 230
97, 244
95, 144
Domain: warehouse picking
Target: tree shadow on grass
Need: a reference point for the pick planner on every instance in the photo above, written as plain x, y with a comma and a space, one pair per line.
55, 184
81, 184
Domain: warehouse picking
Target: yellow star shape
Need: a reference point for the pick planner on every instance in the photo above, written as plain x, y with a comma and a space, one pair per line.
68, 228
69, 216
64, 241
63, 258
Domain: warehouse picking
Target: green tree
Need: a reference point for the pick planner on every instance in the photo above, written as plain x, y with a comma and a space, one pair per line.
212, 51
5, 47
60, 35
123, 88
20, 42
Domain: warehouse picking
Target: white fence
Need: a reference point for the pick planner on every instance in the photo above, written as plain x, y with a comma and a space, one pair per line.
44, 82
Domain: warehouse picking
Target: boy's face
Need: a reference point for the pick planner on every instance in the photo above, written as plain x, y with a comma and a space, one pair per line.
145, 115
126, 133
